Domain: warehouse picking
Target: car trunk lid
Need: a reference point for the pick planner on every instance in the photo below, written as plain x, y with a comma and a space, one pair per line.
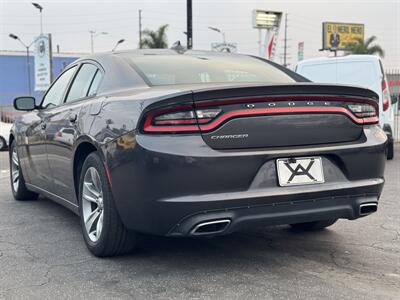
282, 115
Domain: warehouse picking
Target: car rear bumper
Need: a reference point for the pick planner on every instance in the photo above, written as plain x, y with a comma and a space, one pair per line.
168, 185
289, 212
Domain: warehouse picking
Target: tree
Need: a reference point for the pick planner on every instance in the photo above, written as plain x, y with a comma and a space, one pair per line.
365, 47
155, 39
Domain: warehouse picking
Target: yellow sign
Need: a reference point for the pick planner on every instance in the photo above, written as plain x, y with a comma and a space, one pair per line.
338, 35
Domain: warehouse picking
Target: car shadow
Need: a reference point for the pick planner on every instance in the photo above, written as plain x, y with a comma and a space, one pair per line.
268, 245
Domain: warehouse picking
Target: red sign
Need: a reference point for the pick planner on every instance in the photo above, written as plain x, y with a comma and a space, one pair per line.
394, 82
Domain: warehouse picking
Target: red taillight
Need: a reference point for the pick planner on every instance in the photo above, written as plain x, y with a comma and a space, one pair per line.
384, 85
385, 95
209, 115
179, 119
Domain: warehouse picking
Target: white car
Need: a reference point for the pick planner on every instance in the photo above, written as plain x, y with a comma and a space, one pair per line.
4, 134
361, 70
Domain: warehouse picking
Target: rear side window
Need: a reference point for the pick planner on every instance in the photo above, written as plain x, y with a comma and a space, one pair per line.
95, 83
82, 82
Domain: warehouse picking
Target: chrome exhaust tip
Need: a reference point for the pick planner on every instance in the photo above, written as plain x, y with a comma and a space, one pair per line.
211, 227
368, 208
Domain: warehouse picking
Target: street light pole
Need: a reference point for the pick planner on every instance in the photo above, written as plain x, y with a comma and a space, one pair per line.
93, 34
116, 45
91, 40
15, 37
219, 31
40, 8
28, 64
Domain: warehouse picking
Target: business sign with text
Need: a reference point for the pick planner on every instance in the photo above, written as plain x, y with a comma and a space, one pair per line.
335, 36
43, 70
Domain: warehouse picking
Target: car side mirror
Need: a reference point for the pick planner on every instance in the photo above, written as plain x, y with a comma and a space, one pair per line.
25, 103
395, 99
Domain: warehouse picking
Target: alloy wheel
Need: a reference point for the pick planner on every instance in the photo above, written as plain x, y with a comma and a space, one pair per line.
15, 169
92, 204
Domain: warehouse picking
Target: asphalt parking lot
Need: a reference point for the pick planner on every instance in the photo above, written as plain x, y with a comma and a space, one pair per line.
43, 256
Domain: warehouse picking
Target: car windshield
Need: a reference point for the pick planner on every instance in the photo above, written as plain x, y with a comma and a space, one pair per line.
191, 69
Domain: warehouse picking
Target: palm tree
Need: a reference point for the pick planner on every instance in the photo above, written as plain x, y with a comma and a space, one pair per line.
365, 47
155, 39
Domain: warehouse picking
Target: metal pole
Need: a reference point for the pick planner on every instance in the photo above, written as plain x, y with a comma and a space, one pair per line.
41, 22
51, 58
285, 43
91, 40
140, 29
189, 29
260, 43
28, 70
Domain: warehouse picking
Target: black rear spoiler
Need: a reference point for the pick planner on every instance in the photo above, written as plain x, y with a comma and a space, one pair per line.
314, 89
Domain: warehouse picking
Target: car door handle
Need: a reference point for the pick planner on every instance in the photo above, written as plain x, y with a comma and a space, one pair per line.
72, 118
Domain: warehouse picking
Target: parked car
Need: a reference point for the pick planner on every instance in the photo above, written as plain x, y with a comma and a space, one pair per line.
196, 143
4, 134
361, 70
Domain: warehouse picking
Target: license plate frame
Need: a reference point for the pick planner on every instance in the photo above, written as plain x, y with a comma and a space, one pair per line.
300, 171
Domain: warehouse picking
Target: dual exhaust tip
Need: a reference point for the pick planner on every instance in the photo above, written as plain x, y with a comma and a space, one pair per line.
219, 226
211, 227
368, 208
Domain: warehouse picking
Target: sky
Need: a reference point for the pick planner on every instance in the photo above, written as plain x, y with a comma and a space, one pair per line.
69, 23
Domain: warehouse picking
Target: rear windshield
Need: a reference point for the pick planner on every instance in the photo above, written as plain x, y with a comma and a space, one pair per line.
361, 73
191, 69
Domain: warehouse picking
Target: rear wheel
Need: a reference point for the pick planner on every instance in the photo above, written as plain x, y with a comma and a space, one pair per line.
317, 225
390, 150
103, 230
18, 187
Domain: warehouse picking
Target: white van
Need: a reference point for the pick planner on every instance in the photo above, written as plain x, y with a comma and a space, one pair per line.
362, 70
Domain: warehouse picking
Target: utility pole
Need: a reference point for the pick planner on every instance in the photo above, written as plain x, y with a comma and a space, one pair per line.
92, 32
140, 29
189, 28
285, 43
93, 35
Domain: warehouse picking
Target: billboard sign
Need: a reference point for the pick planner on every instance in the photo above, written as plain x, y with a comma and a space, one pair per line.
335, 36
43, 71
264, 19
224, 47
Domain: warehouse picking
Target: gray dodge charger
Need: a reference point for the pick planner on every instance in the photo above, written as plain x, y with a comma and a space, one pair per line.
196, 143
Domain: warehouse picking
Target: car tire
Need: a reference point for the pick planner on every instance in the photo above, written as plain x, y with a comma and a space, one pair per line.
390, 150
103, 231
317, 225
17, 181
3, 144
